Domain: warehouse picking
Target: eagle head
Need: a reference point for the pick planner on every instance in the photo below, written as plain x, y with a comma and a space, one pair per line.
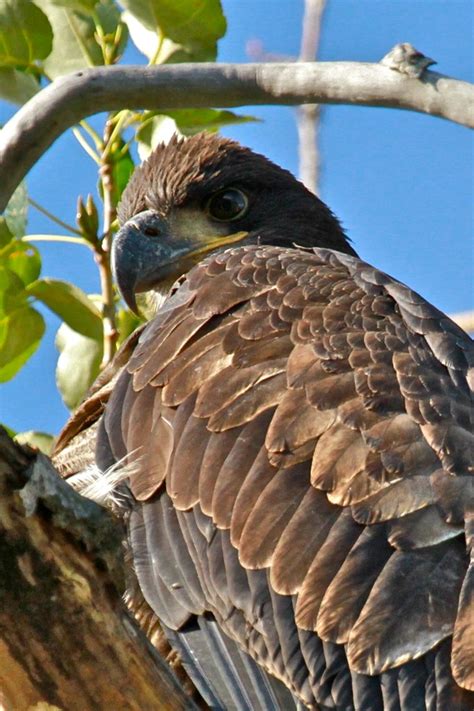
204, 194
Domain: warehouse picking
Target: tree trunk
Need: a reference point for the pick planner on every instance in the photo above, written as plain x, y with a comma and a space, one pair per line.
67, 640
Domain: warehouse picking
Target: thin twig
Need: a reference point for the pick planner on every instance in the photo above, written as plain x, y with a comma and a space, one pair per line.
83, 143
102, 249
308, 115
52, 217
92, 133
56, 238
118, 125
313, 13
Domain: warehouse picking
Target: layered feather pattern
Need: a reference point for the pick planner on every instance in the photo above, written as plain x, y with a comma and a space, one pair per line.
305, 441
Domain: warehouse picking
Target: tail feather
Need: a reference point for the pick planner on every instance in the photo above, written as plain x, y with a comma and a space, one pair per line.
225, 676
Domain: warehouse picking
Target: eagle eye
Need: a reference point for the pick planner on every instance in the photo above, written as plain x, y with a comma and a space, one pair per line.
227, 205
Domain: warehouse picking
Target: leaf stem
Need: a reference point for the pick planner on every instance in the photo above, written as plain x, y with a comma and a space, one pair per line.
92, 133
82, 141
118, 122
55, 238
53, 218
102, 249
159, 46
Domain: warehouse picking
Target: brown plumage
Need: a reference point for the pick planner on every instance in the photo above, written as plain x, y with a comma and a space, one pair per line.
299, 428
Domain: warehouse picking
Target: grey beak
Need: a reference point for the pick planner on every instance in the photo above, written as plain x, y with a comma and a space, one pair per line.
139, 250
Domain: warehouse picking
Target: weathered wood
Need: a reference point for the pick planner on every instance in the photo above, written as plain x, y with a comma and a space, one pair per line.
66, 637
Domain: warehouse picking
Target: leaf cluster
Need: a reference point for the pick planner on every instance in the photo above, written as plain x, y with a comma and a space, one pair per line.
40, 41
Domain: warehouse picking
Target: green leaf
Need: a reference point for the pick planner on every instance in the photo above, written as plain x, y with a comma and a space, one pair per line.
108, 15
38, 440
191, 121
177, 54
5, 234
163, 50
16, 212
149, 42
16, 86
20, 335
70, 303
104, 14
75, 45
127, 322
110, 20
87, 218
123, 168
194, 24
9, 371
12, 292
25, 33
78, 364
84, 6
22, 258
156, 129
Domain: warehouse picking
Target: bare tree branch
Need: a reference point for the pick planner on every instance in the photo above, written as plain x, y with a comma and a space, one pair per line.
313, 13
68, 100
309, 114
307, 125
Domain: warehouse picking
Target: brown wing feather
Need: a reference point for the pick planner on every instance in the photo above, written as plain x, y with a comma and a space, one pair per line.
219, 445
403, 621
352, 584
270, 516
236, 467
324, 567
310, 524
260, 474
354, 393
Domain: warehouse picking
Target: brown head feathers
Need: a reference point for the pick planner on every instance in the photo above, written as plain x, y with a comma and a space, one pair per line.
188, 170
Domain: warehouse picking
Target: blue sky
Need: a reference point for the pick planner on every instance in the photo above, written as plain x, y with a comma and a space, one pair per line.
402, 183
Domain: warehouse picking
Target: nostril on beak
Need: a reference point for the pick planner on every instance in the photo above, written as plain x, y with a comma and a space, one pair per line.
151, 230
148, 223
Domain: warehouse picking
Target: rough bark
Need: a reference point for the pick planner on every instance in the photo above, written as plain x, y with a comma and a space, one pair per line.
66, 637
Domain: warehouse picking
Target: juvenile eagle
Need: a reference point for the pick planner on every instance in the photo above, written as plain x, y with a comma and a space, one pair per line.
294, 429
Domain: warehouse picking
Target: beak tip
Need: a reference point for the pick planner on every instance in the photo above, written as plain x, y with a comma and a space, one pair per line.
132, 305
126, 290
135, 258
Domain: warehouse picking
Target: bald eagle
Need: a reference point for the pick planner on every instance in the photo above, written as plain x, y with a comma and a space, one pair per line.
290, 441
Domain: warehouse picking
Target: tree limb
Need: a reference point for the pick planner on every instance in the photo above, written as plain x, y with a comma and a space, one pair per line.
66, 638
71, 98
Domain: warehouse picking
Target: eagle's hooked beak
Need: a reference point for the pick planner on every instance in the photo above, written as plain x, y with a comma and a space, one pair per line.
148, 252
140, 250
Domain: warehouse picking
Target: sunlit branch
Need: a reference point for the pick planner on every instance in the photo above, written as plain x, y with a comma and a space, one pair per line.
56, 238
70, 99
309, 114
